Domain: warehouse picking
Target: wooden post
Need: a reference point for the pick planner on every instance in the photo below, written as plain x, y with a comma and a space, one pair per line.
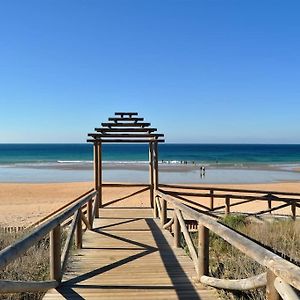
99, 189
55, 253
79, 231
151, 177
177, 231
90, 212
211, 199
96, 176
163, 212
155, 172
269, 203
271, 292
293, 209
203, 250
227, 205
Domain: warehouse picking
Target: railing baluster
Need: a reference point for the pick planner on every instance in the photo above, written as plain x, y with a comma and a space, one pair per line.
55, 253
227, 205
203, 250
79, 230
293, 210
271, 292
211, 199
163, 212
177, 231
90, 212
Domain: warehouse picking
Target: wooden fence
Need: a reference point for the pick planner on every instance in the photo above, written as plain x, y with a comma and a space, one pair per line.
281, 278
232, 198
72, 215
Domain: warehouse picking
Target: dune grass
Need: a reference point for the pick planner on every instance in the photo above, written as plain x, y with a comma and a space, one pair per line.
33, 265
280, 236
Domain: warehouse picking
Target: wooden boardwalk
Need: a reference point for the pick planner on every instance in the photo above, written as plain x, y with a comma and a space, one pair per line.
128, 256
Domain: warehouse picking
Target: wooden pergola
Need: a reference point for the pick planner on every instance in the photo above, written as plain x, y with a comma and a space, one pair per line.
126, 127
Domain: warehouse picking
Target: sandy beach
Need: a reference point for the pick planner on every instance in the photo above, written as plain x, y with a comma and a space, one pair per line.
22, 204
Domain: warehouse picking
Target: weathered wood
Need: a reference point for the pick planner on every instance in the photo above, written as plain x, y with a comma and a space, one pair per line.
60, 209
130, 114
125, 140
116, 119
132, 260
79, 230
100, 179
90, 213
151, 177
293, 210
104, 185
271, 292
15, 250
227, 205
144, 124
177, 231
216, 189
85, 221
285, 290
12, 286
284, 269
96, 175
270, 206
203, 250
211, 199
188, 239
163, 217
169, 223
55, 252
148, 129
246, 284
68, 243
125, 135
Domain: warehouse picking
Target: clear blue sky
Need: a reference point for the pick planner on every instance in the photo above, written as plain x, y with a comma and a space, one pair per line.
201, 71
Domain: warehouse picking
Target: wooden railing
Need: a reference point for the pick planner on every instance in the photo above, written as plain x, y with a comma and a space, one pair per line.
281, 278
73, 215
233, 197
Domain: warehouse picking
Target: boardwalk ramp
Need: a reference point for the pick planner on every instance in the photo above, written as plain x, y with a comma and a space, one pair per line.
127, 255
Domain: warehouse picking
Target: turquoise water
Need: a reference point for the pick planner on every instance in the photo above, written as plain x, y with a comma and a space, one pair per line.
225, 163
200, 153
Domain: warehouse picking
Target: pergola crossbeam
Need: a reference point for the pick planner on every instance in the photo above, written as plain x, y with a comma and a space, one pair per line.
124, 128
125, 124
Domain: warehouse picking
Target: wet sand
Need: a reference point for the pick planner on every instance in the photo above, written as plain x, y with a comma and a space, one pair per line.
22, 204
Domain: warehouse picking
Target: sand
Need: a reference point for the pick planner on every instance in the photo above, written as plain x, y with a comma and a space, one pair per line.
22, 204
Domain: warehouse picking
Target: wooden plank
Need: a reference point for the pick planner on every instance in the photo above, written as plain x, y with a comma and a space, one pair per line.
126, 113
125, 135
125, 129
116, 119
144, 124
128, 256
126, 141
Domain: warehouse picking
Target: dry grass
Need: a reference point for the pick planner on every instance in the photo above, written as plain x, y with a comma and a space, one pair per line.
283, 237
33, 265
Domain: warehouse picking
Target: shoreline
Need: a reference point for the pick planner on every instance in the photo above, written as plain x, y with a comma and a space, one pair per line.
138, 172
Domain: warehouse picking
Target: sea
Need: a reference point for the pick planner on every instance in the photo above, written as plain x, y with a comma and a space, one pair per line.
224, 163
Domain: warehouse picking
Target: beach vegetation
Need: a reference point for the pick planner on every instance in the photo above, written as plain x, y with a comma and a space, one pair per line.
33, 265
279, 236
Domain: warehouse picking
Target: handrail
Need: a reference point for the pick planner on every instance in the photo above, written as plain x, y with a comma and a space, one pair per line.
291, 200
52, 227
13, 251
277, 265
59, 209
178, 186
